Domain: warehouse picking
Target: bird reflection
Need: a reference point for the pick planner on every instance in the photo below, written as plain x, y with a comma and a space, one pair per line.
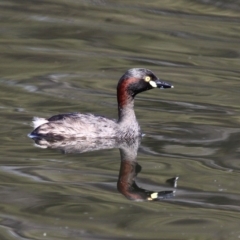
129, 168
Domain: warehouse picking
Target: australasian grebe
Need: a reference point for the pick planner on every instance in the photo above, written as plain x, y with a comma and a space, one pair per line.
78, 125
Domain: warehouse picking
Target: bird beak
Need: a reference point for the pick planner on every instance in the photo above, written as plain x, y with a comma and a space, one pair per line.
160, 84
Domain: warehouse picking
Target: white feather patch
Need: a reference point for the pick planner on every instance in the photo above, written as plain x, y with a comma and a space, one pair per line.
153, 84
38, 121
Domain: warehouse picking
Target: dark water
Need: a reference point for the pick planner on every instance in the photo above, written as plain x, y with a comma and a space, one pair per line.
63, 56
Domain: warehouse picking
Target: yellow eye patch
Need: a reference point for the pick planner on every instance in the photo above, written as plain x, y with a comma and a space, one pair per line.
153, 84
147, 79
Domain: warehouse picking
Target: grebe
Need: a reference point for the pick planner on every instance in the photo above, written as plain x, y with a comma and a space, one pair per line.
78, 125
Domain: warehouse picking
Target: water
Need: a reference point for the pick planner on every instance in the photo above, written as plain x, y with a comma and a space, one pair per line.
64, 56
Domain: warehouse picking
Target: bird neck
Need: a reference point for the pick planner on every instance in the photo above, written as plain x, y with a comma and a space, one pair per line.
125, 104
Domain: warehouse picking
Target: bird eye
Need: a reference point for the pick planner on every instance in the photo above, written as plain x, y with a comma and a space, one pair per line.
147, 79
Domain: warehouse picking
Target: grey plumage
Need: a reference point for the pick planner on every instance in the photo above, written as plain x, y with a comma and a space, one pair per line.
78, 125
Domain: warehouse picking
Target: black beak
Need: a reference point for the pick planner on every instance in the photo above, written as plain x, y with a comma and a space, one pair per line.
161, 84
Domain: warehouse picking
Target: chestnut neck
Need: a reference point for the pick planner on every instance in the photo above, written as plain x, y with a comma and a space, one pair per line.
125, 102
